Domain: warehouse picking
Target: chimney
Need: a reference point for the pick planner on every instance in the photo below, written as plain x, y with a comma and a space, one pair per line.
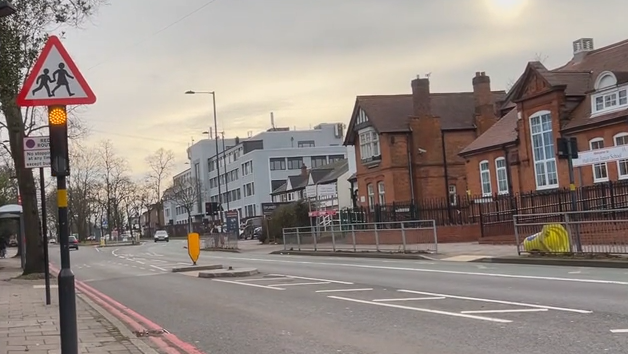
484, 102
237, 140
581, 47
421, 97
304, 170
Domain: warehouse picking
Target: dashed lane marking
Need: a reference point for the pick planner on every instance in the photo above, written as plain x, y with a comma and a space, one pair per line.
619, 330
343, 290
411, 299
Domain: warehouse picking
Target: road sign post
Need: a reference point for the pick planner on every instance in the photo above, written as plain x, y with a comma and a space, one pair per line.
56, 82
37, 155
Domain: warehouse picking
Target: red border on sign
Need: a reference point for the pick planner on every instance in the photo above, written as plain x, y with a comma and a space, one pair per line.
22, 101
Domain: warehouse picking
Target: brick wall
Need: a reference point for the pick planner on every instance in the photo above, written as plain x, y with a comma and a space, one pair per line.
446, 234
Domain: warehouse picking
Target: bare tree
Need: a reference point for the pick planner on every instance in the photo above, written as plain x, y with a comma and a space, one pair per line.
184, 194
22, 36
82, 188
161, 163
114, 178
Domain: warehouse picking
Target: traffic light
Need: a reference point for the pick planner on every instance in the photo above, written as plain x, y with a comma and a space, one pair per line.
212, 208
58, 126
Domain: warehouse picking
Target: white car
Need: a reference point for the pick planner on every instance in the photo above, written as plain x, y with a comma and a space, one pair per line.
161, 235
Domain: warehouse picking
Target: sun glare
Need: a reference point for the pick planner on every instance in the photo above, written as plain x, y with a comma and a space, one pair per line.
506, 9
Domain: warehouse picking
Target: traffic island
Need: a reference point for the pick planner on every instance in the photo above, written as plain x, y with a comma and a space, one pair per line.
197, 268
229, 273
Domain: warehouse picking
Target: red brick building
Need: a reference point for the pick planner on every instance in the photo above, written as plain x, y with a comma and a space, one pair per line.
407, 145
585, 98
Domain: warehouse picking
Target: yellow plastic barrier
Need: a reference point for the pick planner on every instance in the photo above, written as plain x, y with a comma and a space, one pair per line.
553, 238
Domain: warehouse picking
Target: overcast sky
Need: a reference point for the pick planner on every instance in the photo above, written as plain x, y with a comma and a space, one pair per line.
303, 60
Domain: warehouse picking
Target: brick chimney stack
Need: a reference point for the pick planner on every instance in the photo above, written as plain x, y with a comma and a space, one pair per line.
484, 102
421, 97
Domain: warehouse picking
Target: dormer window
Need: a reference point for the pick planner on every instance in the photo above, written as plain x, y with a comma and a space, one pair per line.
608, 96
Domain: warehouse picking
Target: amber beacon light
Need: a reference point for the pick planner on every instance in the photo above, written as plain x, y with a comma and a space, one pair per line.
58, 126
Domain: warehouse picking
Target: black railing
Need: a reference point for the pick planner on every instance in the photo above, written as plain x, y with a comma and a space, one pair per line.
495, 213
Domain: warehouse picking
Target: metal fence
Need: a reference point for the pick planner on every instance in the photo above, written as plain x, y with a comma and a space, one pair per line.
225, 241
579, 232
411, 236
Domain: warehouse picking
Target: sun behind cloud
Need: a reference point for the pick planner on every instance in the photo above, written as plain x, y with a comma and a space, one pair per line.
506, 10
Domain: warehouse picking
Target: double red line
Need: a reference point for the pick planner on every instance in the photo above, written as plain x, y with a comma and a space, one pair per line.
167, 342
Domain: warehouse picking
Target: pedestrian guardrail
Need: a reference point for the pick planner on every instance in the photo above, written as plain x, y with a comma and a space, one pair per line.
398, 236
581, 232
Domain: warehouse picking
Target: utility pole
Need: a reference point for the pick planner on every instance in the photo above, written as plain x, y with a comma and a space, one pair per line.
224, 157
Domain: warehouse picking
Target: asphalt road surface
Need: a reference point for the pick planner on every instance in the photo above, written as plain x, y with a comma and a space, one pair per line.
323, 305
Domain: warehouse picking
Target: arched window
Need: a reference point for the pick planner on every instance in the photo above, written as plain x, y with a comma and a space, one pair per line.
485, 178
622, 165
543, 152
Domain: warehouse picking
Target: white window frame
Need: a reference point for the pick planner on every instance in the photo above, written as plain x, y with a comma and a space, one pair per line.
453, 195
545, 161
602, 166
369, 143
381, 193
608, 98
620, 162
501, 175
371, 196
485, 178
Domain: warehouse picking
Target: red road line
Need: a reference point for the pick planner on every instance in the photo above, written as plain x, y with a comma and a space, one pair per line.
134, 319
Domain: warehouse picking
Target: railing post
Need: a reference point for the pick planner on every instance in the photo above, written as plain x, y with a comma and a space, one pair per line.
353, 237
283, 234
314, 236
376, 238
403, 237
298, 240
435, 236
516, 227
333, 238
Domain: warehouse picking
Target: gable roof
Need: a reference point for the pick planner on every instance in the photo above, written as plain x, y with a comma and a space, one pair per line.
320, 175
503, 132
390, 113
577, 79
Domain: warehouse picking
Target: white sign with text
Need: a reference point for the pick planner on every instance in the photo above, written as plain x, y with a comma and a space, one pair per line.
36, 152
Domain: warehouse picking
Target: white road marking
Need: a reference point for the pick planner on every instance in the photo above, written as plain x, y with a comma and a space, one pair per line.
297, 284
504, 311
261, 279
504, 302
97, 249
152, 270
436, 312
619, 330
113, 252
160, 268
342, 290
411, 299
439, 271
314, 279
140, 262
142, 268
247, 284
52, 286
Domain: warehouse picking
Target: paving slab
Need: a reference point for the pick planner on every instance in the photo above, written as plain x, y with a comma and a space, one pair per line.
27, 324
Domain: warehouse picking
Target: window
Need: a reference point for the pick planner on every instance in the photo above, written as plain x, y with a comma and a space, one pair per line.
295, 163
247, 168
318, 161
362, 118
622, 165
502, 175
382, 193
334, 158
600, 171
249, 189
609, 97
306, 144
369, 144
211, 165
277, 164
371, 196
453, 195
485, 178
543, 150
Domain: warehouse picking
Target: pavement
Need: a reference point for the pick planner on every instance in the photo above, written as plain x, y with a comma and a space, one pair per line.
321, 305
27, 324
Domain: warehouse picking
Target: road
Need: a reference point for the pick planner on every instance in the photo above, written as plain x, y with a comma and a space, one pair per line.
322, 305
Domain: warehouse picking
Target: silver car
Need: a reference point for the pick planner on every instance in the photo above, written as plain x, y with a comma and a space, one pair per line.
161, 235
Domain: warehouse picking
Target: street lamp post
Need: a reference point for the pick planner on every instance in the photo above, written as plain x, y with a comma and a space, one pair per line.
213, 93
6, 9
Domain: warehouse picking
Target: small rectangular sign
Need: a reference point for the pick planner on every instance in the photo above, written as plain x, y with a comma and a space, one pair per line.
593, 157
36, 151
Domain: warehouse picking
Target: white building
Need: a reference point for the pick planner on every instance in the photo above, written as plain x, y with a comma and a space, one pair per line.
251, 168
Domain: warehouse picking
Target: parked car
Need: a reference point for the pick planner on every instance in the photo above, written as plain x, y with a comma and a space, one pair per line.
161, 235
73, 242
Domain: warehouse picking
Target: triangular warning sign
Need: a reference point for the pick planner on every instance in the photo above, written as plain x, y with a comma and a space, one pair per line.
55, 80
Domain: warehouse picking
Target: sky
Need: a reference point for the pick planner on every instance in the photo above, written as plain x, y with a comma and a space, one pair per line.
305, 61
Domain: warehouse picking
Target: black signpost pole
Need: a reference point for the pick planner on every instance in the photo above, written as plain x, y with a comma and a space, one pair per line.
44, 231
